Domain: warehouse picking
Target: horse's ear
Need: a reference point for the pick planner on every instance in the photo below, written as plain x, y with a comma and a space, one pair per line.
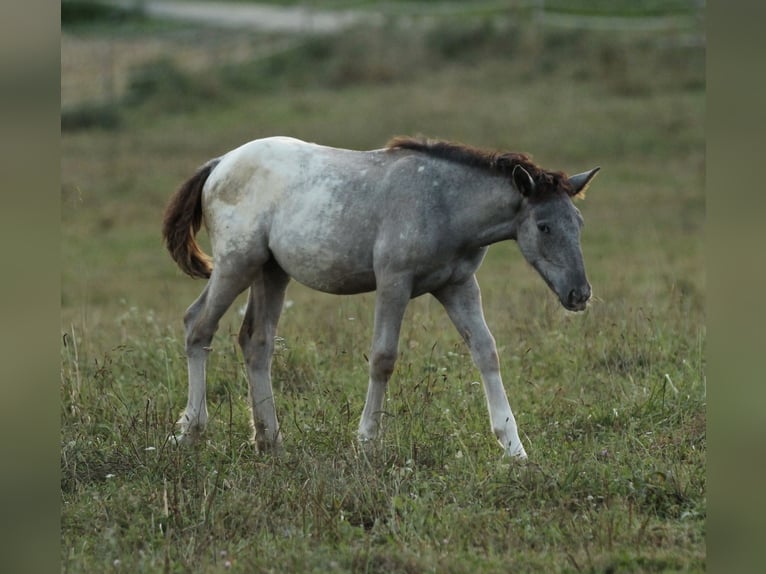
581, 181
523, 181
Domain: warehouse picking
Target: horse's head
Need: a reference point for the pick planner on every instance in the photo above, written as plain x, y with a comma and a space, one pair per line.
548, 234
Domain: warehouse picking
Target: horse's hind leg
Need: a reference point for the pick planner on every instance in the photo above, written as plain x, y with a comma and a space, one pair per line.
256, 337
201, 322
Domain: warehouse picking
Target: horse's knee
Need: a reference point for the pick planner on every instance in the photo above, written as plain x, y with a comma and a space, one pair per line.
490, 359
485, 355
382, 364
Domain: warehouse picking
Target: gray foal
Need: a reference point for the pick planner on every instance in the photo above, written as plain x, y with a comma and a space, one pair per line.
415, 217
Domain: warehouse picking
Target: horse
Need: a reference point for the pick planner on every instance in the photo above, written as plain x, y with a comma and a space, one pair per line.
414, 217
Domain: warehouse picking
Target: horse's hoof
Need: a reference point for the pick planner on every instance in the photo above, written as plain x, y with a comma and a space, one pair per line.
266, 446
366, 446
177, 439
518, 455
186, 435
182, 439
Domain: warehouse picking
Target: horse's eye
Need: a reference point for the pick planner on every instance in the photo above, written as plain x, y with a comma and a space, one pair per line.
543, 228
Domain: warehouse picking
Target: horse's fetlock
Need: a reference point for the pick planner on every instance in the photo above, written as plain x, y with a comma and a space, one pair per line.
190, 431
266, 441
368, 431
192, 423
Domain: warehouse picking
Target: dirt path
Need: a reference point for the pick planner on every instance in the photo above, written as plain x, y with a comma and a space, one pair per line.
304, 19
261, 17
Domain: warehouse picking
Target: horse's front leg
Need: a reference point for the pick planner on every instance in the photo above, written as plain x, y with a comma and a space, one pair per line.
390, 303
463, 305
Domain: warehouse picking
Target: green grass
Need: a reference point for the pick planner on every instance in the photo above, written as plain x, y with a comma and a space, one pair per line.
611, 403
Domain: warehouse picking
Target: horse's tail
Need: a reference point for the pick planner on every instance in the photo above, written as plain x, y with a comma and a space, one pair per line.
181, 222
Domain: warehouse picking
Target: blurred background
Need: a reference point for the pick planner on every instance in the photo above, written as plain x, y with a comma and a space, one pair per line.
150, 90
612, 401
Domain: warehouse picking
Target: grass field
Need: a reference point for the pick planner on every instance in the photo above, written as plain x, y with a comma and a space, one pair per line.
611, 403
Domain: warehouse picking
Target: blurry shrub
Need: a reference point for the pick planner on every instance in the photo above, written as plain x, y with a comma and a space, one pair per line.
620, 73
302, 65
469, 41
359, 56
78, 12
90, 116
563, 50
156, 79
623, 7
631, 64
162, 86
644, 65
376, 56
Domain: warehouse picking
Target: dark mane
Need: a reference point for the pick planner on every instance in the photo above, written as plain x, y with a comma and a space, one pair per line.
495, 161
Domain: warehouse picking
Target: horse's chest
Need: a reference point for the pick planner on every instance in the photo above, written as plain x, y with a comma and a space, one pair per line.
455, 270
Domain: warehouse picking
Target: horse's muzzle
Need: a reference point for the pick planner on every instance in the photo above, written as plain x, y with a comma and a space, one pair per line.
577, 299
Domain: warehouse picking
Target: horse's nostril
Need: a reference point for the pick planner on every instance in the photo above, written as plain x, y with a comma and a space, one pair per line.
577, 297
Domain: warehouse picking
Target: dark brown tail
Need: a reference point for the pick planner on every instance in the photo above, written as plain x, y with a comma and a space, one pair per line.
181, 222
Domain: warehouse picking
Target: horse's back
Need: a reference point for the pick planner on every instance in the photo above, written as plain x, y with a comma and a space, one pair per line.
300, 203
331, 217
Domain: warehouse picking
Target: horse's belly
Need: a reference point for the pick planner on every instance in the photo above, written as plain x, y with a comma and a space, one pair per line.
327, 268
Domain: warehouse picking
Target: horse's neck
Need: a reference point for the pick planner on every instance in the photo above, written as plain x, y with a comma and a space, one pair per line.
487, 213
